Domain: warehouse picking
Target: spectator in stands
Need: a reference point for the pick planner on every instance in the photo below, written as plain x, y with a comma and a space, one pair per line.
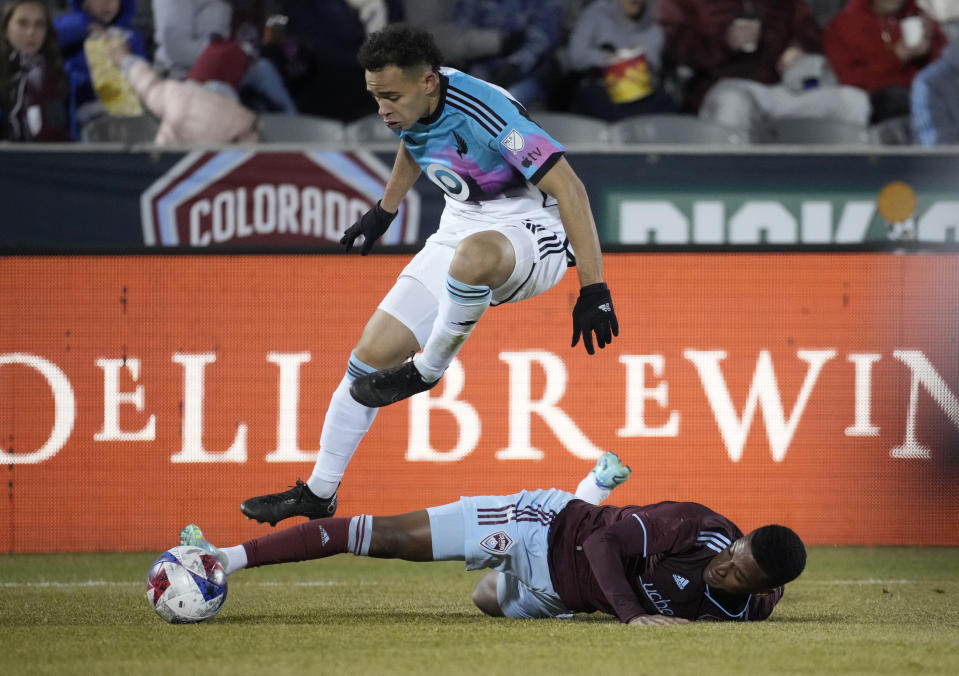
202, 109
91, 19
527, 66
33, 84
184, 28
460, 43
315, 50
314, 44
935, 100
871, 45
618, 47
754, 61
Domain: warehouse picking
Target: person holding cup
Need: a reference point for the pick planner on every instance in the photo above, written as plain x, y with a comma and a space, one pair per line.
880, 46
753, 62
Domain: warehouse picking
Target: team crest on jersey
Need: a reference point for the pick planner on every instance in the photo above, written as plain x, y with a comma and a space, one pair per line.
498, 542
514, 141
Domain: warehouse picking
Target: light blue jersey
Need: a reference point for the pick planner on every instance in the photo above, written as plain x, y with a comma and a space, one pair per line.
479, 145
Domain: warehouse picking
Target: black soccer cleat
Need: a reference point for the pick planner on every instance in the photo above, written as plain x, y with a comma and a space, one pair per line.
298, 501
389, 386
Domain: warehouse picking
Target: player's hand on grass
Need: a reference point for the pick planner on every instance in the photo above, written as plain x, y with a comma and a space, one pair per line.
371, 225
657, 620
594, 313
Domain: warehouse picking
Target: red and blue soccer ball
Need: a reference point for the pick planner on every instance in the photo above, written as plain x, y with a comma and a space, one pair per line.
186, 585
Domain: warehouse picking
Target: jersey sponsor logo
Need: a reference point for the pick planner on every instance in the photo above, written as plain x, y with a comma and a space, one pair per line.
514, 141
498, 542
657, 599
449, 181
532, 156
680, 581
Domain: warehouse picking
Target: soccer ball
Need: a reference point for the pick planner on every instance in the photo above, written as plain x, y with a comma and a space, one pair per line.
186, 585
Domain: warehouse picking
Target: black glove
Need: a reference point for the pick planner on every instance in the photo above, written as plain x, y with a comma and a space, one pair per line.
594, 313
371, 225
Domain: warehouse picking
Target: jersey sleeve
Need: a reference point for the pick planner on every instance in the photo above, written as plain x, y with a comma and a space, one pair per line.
658, 529
528, 147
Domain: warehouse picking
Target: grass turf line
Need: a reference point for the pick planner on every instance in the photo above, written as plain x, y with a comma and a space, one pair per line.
886, 610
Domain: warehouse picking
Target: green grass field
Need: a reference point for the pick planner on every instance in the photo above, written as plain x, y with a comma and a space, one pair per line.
854, 611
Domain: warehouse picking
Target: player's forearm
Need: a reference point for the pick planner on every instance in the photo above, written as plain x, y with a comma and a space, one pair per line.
605, 557
581, 229
404, 175
562, 183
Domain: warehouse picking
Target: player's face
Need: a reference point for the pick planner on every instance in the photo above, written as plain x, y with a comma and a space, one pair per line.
402, 96
735, 571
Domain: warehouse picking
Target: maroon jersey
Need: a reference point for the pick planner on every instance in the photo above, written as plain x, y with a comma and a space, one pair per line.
630, 561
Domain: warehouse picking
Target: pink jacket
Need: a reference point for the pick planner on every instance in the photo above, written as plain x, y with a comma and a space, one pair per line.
190, 113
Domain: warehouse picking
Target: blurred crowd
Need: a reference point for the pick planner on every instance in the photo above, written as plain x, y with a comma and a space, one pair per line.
206, 68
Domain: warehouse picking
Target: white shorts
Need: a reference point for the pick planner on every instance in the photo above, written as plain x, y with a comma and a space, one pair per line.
542, 256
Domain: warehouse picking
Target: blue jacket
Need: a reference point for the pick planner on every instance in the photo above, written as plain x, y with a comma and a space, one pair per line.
935, 100
72, 29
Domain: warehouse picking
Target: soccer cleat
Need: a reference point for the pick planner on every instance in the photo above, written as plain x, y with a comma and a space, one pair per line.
192, 536
610, 471
298, 501
389, 386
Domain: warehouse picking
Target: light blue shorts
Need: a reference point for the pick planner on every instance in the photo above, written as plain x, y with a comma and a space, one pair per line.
509, 533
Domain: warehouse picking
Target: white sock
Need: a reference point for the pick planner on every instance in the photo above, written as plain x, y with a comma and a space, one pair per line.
458, 313
235, 558
591, 492
346, 423
360, 535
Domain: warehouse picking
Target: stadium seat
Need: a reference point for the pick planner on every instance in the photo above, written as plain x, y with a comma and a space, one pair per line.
570, 128
896, 131
126, 130
369, 129
282, 128
800, 131
681, 129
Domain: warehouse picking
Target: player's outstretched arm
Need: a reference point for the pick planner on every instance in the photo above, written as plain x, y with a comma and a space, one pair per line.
377, 220
594, 312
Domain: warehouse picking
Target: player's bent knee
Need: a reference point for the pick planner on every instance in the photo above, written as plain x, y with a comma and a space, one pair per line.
483, 258
385, 342
484, 595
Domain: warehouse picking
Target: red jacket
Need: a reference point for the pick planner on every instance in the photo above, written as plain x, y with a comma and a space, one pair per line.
858, 44
696, 37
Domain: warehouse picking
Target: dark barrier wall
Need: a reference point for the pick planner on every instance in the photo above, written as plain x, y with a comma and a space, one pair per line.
304, 200
139, 393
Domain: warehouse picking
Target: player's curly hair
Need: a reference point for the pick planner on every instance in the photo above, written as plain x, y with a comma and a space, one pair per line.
400, 45
779, 552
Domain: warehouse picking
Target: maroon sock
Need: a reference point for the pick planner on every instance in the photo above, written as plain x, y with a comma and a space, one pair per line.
311, 540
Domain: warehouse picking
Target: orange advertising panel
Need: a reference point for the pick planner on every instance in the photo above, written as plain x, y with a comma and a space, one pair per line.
138, 394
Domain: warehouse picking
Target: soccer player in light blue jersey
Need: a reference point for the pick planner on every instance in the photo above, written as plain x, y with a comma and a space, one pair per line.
516, 217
